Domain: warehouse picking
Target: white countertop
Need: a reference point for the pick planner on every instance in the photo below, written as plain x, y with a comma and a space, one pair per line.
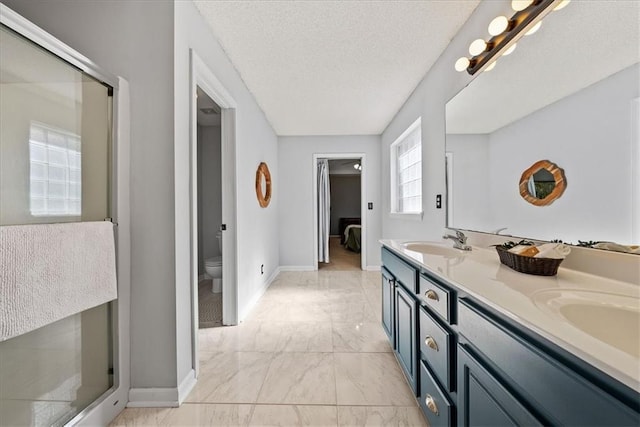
569, 309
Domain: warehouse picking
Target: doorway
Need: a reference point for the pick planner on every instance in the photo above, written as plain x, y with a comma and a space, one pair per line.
339, 194
203, 81
209, 185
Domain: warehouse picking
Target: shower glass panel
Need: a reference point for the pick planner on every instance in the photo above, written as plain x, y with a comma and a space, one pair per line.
55, 139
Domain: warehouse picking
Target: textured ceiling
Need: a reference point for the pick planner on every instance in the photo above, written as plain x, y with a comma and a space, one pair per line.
333, 67
575, 47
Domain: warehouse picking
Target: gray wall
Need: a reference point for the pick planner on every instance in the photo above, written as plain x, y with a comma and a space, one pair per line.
295, 157
428, 101
345, 199
209, 193
256, 227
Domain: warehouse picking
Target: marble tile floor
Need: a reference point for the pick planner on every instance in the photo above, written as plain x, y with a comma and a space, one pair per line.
340, 258
311, 353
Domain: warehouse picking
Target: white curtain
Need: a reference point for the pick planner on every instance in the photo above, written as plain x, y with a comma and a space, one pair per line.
324, 210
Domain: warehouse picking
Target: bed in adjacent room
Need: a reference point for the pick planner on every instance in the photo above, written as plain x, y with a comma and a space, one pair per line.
352, 237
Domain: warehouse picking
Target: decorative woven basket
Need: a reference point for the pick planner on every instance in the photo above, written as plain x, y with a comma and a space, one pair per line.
529, 265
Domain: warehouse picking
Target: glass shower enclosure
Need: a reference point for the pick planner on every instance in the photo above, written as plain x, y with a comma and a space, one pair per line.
55, 166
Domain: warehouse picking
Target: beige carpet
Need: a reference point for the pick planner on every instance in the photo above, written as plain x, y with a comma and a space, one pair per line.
209, 306
340, 258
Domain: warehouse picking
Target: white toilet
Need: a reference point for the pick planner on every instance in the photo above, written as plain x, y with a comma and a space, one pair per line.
213, 267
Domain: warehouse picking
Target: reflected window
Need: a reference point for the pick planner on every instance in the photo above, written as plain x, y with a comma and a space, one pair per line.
55, 172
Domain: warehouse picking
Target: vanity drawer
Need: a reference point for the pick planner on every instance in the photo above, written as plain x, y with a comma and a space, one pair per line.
436, 344
435, 404
403, 272
436, 297
556, 388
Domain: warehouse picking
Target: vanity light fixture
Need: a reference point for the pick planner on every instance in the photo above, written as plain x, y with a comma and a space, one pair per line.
519, 5
499, 25
526, 20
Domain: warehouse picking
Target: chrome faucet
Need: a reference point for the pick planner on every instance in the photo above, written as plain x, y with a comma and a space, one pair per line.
459, 240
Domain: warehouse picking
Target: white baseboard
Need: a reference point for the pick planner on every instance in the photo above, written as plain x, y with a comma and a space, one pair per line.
373, 268
186, 385
153, 398
298, 268
258, 294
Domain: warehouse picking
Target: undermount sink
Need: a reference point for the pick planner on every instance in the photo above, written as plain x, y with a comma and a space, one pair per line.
434, 249
605, 316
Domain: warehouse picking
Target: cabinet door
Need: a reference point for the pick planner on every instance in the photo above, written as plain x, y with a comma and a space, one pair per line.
406, 335
388, 312
483, 400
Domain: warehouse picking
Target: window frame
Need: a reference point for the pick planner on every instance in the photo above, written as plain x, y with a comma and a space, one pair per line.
393, 160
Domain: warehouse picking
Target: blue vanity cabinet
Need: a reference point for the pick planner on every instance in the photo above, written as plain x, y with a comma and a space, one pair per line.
405, 331
471, 365
483, 400
436, 340
400, 312
388, 305
515, 374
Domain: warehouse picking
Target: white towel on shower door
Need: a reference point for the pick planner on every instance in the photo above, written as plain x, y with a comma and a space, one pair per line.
52, 271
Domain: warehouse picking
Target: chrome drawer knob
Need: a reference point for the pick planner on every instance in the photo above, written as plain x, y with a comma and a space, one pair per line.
430, 342
431, 404
431, 294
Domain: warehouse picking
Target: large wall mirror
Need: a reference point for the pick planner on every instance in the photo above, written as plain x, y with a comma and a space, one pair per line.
569, 94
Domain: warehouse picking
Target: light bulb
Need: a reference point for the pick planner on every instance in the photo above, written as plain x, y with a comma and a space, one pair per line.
519, 5
491, 67
477, 47
462, 64
510, 50
561, 5
533, 29
498, 25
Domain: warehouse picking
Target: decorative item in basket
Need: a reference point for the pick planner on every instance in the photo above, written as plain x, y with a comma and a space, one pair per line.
529, 258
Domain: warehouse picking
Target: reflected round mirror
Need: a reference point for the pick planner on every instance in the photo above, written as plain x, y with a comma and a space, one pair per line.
542, 183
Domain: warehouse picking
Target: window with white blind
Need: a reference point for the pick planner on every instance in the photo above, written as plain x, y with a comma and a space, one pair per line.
406, 172
55, 172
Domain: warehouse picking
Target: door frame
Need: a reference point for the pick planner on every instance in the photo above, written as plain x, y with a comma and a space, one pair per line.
363, 202
201, 76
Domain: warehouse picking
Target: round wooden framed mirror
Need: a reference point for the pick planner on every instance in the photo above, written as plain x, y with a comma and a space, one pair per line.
542, 183
263, 185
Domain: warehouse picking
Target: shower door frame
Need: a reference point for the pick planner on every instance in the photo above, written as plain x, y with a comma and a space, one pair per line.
106, 407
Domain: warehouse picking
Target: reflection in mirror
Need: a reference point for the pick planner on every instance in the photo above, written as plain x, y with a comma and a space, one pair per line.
571, 95
541, 184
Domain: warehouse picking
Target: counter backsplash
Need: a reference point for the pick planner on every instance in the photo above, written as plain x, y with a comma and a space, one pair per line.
609, 264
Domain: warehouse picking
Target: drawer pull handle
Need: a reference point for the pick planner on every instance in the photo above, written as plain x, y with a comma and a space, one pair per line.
431, 294
431, 404
430, 342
